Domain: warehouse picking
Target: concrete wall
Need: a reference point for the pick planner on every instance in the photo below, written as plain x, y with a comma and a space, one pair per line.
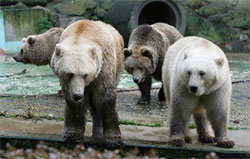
225, 22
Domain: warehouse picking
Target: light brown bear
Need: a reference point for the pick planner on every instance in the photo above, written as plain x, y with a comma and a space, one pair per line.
89, 62
145, 54
38, 49
197, 81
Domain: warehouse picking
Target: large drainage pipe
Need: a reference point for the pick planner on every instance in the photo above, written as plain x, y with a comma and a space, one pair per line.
126, 15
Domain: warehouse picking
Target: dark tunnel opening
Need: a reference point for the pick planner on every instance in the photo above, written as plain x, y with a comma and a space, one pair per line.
157, 12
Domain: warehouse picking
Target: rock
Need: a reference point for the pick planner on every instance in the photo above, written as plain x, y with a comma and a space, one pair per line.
65, 20
27, 2
20, 5
243, 5
194, 3
237, 19
214, 8
105, 4
226, 32
199, 26
99, 14
235, 46
240, 22
51, 16
76, 7
215, 18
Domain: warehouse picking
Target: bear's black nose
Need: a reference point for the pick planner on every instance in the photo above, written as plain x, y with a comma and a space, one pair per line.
77, 97
193, 88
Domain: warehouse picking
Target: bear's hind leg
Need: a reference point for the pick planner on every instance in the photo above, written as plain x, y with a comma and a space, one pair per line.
204, 129
145, 88
74, 121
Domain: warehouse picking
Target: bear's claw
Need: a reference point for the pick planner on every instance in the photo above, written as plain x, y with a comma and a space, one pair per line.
113, 142
207, 139
177, 143
72, 137
225, 144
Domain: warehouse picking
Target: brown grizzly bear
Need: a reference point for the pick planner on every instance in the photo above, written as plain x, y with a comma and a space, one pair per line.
89, 62
145, 54
38, 49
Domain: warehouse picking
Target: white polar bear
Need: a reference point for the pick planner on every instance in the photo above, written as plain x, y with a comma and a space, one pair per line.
197, 81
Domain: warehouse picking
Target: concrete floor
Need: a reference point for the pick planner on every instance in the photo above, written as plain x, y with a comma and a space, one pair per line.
47, 106
156, 112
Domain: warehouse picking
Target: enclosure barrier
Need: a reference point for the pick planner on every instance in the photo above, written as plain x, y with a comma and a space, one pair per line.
127, 15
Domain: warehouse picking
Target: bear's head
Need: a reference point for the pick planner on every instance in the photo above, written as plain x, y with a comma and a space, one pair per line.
28, 50
140, 61
200, 74
76, 69
38, 49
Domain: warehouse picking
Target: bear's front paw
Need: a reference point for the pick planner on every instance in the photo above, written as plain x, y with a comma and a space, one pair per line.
72, 137
177, 143
225, 144
207, 139
113, 142
143, 101
188, 140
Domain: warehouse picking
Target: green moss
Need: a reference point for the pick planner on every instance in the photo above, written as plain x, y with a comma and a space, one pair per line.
24, 23
232, 128
192, 126
129, 122
199, 26
45, 24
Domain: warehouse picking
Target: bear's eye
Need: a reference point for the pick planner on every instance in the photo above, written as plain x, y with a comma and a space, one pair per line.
70, 75
189, 73
140, 68
85, 76
21, 51
202, 73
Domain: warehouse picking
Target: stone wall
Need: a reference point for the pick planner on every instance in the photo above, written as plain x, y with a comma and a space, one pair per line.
225, 22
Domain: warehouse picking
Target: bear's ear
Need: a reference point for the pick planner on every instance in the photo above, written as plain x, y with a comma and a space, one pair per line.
127, 52
31, 40
220, 62
24, 40
58, 50
147, 53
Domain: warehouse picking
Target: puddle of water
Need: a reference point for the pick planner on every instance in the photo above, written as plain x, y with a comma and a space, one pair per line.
240, 70
41, 80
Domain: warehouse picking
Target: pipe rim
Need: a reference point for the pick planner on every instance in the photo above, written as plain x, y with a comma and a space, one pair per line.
180, 25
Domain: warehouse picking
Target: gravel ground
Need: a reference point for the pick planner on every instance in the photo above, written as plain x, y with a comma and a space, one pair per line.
156, 112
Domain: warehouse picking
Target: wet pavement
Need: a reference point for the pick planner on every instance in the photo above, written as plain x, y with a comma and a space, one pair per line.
28, 116
15, 108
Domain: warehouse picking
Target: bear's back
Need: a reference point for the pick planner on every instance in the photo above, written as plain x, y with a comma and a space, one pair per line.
171, 32
192, 46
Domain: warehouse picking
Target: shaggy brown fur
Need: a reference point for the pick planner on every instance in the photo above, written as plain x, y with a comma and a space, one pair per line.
96, 48
38, 49
145, 54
